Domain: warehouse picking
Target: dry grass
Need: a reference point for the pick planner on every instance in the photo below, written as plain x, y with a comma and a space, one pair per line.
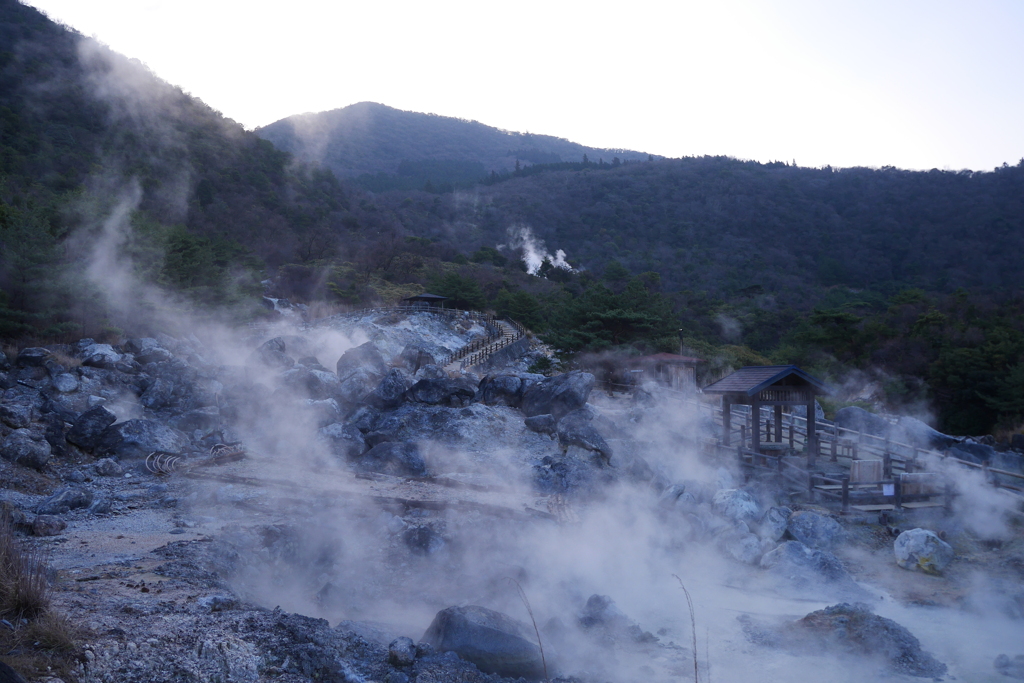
693, 629
529, 610
41, 640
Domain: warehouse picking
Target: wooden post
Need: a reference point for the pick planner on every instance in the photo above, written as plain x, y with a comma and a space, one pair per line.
810, 487
897, 488
739, 456
768, 431
886, 465
755, 433
812, 438
846, 495
743, 436
726, 421
947, 503
853, 451
835, 446
778, 424
791, 435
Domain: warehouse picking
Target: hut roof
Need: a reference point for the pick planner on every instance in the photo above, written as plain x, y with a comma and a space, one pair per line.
426, 296
753, 379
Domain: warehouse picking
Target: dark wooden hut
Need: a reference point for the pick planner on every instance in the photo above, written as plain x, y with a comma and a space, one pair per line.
773, 385
425, 300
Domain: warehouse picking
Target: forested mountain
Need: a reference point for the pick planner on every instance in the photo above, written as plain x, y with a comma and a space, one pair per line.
387, 148
909, 278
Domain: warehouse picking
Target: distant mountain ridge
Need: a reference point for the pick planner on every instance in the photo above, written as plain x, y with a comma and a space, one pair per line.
371, 138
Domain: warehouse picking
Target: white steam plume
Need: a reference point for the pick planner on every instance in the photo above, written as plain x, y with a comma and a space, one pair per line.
533, 250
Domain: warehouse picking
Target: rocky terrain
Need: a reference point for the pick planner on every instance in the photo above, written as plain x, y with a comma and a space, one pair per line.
325, 503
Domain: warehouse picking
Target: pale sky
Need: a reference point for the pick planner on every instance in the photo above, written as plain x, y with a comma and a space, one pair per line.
914, 84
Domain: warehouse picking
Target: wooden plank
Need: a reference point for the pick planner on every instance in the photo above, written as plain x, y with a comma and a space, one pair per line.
874, 508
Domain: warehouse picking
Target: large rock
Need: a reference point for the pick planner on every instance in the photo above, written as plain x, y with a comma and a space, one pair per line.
912, 431
773, 524
447, 392
495, 642
800, 565
139, 438
344, 441
100, 356
25, 448
364, 357
397, 458
860, 420
814, 530
742, 546
921, 549
576, 429
390, 392
88, 429
16, 415
65, 383
558, 395
34, 356
356, 386
414, 357
147, 350
737, 505
159, 394
502, 390
68, 498
542, 424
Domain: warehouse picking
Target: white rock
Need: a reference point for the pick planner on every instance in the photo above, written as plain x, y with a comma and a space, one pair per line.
922, 549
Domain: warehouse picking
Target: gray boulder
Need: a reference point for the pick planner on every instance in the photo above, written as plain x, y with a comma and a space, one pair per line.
736, 505
773, 524
34, 356
916, 433
502, 390
344, 440
447, 392
542, 424
68, 498
814, 530
860, 420
147, 350
159, 394
24, 448
364, 357
402, 651
430, 372
923, 550
742, 546
558, 395
576, 429
494, 642
48, 525
414, 357
88, 429
100, 356
356, 386
401, 459
139, 438
364, 418
390, 392
108, 467
16, 415
65, 383
799, 564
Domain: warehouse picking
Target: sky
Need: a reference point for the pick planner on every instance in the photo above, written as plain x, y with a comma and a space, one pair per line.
913, 84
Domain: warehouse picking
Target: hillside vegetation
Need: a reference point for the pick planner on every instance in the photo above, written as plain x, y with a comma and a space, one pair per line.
908, 278
383, 148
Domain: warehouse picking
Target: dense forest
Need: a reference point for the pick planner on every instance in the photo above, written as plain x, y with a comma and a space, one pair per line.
906, 278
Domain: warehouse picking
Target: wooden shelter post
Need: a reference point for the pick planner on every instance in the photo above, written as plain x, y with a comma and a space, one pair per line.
726, 420
812, 436
778, 423
755, 432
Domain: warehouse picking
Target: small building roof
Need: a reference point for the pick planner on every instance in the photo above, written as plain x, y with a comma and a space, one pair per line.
426, 296
669, 358
753, 379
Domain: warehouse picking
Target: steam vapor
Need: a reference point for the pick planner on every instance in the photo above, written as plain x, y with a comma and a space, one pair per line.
533, 250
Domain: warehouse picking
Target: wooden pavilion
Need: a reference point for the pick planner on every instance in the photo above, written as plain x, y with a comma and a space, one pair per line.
773, 385
425, 300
